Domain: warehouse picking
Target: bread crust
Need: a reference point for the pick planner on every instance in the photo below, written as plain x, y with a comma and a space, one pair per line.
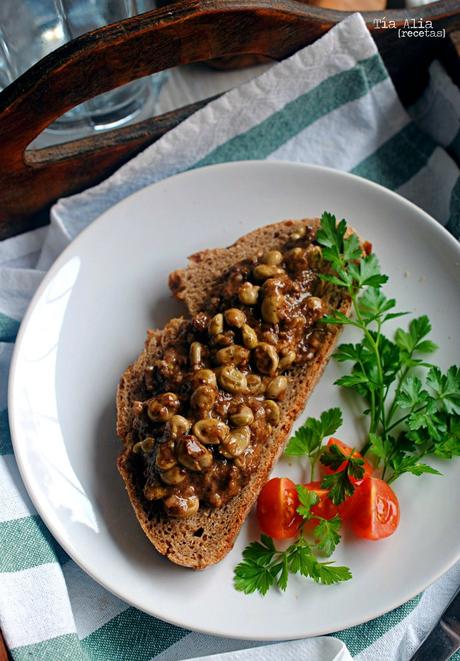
206, 537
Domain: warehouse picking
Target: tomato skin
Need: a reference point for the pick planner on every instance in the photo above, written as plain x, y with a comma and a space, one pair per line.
374, 510
346, 509
324, 507
347, 450
367, 247
276, 509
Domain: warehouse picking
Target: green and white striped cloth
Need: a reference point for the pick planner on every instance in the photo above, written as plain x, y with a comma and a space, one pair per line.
332, 104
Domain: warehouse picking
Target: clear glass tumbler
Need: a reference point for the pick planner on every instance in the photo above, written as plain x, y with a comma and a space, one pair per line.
30, 29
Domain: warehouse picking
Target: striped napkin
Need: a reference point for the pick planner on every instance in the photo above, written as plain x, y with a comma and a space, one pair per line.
332, 104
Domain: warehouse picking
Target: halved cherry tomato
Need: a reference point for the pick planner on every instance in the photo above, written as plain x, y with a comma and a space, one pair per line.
324, 507
373, 510
276, 509
347, 450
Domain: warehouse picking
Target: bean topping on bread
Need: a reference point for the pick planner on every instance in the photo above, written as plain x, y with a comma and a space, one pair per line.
206, 409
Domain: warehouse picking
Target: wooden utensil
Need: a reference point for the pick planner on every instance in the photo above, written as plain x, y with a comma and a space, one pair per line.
190, 31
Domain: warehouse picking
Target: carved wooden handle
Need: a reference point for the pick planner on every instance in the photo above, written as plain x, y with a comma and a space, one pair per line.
189, 31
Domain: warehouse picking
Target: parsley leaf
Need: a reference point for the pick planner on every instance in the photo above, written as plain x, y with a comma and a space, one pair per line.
411, 393
307, 499
412, 341
446, 387
339, 483
369, 272
327, 535
401, 464
256, 571
302, 561
373, 304
263, 567
330, 235
308, 438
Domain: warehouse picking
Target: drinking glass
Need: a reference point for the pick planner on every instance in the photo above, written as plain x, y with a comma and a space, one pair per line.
30, 29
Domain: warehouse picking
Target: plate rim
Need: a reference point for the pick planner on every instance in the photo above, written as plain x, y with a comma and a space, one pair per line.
29, 483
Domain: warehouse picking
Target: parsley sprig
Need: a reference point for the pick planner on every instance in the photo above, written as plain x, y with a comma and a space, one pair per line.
307, 440
339, 483
264, 566
423, 416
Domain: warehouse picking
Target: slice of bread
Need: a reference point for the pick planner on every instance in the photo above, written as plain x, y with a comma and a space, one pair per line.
209, 535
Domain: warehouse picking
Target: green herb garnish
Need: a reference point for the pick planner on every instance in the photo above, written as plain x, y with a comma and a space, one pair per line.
422, 409
413, 409
308, 438
340, 483
264, 566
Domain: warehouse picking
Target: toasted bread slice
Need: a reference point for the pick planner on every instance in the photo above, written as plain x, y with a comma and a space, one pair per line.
209, 535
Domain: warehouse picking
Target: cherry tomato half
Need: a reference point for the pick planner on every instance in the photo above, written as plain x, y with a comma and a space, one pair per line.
276, 509
373, 510
347, 450
324, 507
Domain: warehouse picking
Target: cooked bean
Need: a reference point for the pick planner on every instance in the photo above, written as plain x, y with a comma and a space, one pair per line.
296, 253
272, 411
271, 308
270, 336
192, 454
249, 336
203, 399
181, 507
196, 354
255, 384
215, 499
235, 317
232, 380
244, 416
266, 358
236, 442
275, 285
163, 407
287, 361
234, 354
276, 389
178, 425
314, 341
145, 446
264, 271
314, 256
155, 491
315, 304
273, 257
224, 339
248, 293
298, 233
297, 259
175, 475
204, 377
216, 325
210, 431
165, 457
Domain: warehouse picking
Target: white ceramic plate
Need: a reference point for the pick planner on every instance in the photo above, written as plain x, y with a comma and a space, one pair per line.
88, 321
